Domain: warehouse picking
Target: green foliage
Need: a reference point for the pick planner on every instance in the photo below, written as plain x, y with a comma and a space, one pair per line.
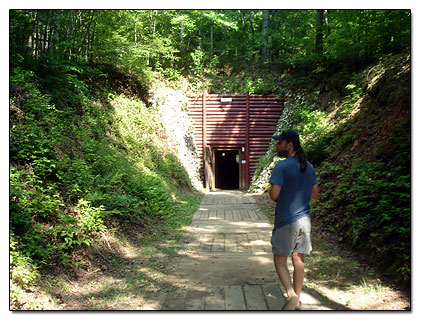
310, 121
203, 41
376, 208
74, 169
90, 220
364, 177
261, 86
353, 38
39, 223
344, 140
351, 100
198, 61
23, 272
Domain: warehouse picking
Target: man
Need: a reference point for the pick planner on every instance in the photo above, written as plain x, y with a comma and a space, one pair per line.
294, 184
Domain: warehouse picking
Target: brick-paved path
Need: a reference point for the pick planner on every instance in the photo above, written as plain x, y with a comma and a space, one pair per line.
224, 261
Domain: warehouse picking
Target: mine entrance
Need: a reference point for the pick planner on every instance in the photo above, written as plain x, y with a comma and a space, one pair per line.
227, 169
242, 123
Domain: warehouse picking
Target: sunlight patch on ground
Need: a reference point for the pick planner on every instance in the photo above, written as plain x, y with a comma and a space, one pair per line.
264, 260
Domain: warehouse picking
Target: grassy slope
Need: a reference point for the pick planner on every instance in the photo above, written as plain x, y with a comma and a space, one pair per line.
91, 171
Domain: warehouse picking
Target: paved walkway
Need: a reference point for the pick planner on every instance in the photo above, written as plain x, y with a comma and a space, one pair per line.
224, 260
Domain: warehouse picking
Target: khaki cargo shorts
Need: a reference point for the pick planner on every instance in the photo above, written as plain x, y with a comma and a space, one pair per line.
295, 237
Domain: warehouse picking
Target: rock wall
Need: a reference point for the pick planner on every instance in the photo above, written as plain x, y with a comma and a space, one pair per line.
172, 105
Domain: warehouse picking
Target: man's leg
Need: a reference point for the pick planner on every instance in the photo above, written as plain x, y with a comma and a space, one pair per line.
284, 276
298, 262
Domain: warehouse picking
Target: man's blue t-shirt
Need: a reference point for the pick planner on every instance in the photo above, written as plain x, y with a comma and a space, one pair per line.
294, 199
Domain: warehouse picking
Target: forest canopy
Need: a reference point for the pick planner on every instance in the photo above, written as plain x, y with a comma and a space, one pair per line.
171, 41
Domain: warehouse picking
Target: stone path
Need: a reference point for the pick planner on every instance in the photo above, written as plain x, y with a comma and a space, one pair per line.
224, 260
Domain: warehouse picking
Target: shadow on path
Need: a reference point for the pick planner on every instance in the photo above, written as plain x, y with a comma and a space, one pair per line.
225, 261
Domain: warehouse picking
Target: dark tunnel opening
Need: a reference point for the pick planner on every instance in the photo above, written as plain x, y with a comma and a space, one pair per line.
227, 169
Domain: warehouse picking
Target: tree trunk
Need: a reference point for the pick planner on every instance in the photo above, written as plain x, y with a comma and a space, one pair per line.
242, 18
181, 45
46, 31
347, 22
86, 41
153, 24
56, 33
153, 33
366, 35
265, 35
52, 27
36, 35
200, 39
211, 40
327, 22
135, 29
68, 36
251, 24
92, 40
319, 32
78, 36
31, 37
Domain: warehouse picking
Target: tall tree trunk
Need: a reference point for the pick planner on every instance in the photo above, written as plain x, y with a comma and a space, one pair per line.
153, 23
274, 52
265, 35
153, 33
90, 46
200, 38
327, 22
68, 36
319, 33
242, 18
46, 31
52, 27
347, 23
86, 41
135, 29
31, 36
78, 35
54, 38
366, 35
36, 34
181, 33
251, 23
211, 40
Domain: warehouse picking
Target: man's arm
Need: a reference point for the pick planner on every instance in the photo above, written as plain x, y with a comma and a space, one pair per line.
315, 192
274, 192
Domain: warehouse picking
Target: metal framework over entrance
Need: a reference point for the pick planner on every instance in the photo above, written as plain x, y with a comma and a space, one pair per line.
241, 124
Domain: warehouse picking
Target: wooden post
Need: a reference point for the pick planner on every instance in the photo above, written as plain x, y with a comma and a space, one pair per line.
204, 139
247, 140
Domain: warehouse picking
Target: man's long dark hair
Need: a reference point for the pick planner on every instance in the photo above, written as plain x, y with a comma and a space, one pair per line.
302, 159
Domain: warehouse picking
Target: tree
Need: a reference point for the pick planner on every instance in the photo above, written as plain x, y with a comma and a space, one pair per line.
265, 35
141, 40
319, 33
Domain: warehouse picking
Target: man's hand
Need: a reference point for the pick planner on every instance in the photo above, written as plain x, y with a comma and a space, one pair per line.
274, 192
315, 192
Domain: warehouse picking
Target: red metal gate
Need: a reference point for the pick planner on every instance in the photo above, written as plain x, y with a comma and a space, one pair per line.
240, 122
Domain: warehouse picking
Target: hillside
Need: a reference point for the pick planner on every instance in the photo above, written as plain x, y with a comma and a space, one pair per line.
89, 164
356, 130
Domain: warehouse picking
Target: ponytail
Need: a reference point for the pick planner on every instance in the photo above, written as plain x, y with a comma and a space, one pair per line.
302, 159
